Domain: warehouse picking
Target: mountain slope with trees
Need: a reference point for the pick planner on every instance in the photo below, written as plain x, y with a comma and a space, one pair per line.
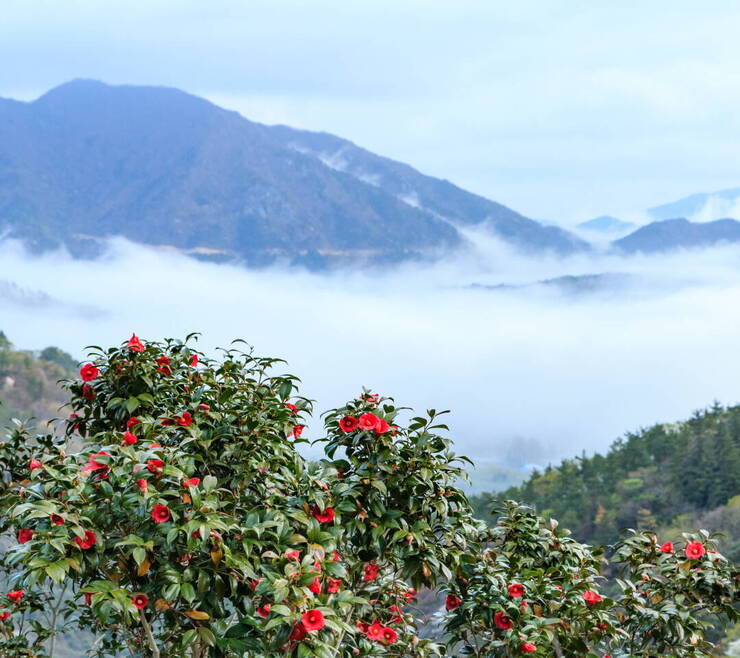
666, 477
28, 382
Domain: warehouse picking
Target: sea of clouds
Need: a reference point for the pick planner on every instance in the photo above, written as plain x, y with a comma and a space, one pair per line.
530, 373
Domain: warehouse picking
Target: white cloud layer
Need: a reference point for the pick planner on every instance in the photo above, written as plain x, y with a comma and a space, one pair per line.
571, 372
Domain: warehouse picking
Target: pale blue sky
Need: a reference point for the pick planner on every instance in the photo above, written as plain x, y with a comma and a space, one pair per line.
562, 110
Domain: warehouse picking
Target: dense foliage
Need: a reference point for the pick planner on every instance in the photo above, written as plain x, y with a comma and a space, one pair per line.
174, 516
664, 476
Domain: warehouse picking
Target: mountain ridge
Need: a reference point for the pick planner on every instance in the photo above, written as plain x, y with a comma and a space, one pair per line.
86, 161
679, 233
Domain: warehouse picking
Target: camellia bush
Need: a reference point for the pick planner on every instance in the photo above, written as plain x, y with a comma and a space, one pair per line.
174, 515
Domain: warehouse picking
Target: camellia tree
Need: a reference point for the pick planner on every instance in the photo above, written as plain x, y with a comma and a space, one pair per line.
175, 517
187, 523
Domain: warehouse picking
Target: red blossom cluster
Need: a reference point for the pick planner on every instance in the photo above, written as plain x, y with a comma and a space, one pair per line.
376, 632
366, 422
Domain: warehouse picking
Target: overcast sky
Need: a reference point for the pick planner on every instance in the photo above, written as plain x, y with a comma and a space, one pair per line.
562, 110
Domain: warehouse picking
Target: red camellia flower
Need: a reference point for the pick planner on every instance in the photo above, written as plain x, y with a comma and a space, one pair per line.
131, 422
502, 621
56, 519
389, 636
452, 602
313, 620
368, 421
88, 541
194, 360
142, 484
185, 420
4, 615
409, 594
192, 482
16, 595
667, 547
348, 424
297, 431
335, 556
129, 439
88, 372
140, 601
88, 598
293, 555
135, 344
327, 516
516, 590
315, 586
94, 465
35, 463
154, 465
25, 535
397, 612
375, 632
298, 633
264, 611
161, 514
88, 392
591, 597
528, 647
695, 550
292, 407
382, 426
333, 585
370, 572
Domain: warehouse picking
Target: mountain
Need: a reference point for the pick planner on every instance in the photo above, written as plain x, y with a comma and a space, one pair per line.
606, 224
678, 234
704, 206
86, 161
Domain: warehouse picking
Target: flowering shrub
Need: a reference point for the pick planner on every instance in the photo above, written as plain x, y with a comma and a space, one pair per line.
536, 590
176, 517
668, 591
532, 590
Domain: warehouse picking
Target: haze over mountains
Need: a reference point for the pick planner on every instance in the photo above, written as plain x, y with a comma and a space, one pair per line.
158, 166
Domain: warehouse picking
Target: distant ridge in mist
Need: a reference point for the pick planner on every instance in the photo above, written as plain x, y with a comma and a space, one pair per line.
606, 224
87, 161
679, 234
704, 206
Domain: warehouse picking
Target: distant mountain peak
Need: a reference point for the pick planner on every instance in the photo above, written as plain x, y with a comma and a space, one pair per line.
606, 224
705, 206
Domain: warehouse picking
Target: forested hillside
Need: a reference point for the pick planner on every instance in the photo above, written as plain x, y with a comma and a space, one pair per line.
668, 477
28, 382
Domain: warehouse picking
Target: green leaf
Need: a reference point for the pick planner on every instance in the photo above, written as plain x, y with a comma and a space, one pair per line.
139, 556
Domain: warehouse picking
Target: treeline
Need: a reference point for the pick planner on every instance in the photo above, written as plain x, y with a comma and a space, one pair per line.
663, 478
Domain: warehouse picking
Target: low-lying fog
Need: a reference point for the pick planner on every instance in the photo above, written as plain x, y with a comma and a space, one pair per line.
530, 373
